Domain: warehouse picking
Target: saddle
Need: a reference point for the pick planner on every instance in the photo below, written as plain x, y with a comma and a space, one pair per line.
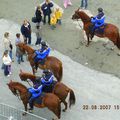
38, 100
42, 62
99, 30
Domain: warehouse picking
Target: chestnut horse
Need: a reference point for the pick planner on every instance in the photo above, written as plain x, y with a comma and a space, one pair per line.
49, 100
51, 62
111, 31
59, 89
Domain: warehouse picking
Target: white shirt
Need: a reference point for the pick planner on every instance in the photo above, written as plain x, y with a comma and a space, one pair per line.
7, 60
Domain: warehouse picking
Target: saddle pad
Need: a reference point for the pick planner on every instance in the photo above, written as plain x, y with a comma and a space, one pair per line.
39, 99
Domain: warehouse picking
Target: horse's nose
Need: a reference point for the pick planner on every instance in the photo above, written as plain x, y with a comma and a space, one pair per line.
72, 17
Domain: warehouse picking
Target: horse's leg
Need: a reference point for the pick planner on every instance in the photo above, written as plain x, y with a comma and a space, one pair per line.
65, 103
56, 112
88, 41
33, 69
25, 106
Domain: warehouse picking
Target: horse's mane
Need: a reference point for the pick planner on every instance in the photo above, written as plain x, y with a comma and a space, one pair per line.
29, 47
18, 84
28, 74
26, 47
85, 16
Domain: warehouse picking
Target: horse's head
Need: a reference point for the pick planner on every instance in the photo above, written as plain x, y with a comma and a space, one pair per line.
21, 47
76, 15
24, 76
17, 87
12, 88
79, 14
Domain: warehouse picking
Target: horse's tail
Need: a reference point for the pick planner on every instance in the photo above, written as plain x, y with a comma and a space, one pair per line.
71, 98
60, 72
118, 40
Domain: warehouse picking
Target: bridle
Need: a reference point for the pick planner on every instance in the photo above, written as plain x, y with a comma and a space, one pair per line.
84, 20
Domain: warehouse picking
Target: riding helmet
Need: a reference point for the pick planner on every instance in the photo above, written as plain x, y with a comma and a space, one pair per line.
43, 43
46, 71
100, 9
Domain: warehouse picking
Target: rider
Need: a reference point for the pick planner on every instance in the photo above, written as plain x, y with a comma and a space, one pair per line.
36, 92
47, 78
98, 20
42, 53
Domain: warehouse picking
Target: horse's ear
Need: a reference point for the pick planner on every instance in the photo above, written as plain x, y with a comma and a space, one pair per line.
78, 9
20, 71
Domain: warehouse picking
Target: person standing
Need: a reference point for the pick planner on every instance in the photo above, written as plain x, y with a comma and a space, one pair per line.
7, 44
7, 63
38, 35
19, 54
38, 14
58, 15
67, 3
26, 31
84, 4
46, 8
53, 22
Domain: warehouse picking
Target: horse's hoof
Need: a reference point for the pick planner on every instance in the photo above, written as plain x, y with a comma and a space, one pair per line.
87, 45
112, 48
104, 45
24, 113
118, 54
63, 110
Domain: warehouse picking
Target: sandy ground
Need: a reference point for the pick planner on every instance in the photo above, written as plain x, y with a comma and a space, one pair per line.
66, 37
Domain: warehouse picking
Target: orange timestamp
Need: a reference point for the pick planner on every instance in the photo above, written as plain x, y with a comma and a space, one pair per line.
100, 107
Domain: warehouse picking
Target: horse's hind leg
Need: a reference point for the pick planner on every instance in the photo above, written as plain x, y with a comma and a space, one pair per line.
65, 103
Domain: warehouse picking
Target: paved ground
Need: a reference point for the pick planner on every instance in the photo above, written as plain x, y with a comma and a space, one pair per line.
88, 88
66, 37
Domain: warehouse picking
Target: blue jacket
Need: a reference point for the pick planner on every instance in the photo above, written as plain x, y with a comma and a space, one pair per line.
98, 20
47, 79
35, 92
26, 31
43, 53
46, 8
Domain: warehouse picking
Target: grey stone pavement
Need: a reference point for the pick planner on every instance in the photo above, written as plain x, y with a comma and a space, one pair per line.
90, 87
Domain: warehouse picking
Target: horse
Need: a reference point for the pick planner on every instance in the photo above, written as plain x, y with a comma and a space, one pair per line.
110, 31
49, 100
51, 63
59, 89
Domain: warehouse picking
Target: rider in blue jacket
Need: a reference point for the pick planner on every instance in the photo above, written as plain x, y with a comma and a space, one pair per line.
35, 93
98, 20
47, 78
42, 53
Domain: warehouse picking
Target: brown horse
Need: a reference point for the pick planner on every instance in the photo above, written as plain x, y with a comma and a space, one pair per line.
49, 100
59, 89
51, 62
110, 31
